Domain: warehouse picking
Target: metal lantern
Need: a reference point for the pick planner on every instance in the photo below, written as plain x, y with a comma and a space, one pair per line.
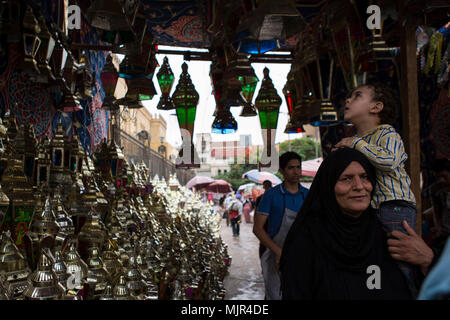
240, 69
14, 264
166, 79
117, 159
43, 162
224, 122
317, 69
31, 41
290, 94
84, 78
185, 99
111, 15
140, 89
45, 52
109, 78
268, 105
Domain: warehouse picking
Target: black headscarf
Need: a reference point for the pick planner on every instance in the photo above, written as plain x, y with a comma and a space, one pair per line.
344, 239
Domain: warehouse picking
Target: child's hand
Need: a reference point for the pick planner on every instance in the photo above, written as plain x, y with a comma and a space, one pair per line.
344, 143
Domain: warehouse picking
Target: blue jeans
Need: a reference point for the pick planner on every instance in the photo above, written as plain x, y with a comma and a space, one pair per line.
235, 225
392, 214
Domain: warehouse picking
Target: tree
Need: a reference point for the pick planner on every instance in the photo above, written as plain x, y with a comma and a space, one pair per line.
305, 147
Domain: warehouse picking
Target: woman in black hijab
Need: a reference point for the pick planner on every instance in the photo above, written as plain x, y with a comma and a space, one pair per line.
336, 248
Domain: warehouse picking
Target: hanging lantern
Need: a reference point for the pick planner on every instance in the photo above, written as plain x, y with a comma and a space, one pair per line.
58, 62
290, 95
31, 41
267, 25
140, 89
224, 122
45, 53
317, 69
268, 105
109, 78
165, 80
374, 54
84, 78
185, 99
111, 15
245, 75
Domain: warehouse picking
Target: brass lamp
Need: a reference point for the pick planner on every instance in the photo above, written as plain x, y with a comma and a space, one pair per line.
317, 69
31, 41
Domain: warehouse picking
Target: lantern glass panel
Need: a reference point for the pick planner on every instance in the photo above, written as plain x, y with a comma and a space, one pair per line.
42, 174
268, 119
57, 158
165, 83
109, 81
114, 167
248, 86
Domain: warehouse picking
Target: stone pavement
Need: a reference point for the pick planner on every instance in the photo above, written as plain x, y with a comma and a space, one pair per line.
244, 281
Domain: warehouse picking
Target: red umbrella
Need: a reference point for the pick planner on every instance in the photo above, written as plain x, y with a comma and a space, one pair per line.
199, 182
219, 186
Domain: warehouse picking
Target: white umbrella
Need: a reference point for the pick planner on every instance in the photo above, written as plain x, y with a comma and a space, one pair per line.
261, 176
310, 167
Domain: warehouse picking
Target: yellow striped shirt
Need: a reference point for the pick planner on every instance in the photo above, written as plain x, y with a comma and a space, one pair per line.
384, 148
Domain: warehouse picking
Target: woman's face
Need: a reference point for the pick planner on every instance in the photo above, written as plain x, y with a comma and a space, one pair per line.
353, 190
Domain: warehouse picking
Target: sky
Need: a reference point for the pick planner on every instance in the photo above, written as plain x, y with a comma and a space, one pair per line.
199, 72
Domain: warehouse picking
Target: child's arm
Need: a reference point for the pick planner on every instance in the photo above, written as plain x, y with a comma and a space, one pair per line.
388, 152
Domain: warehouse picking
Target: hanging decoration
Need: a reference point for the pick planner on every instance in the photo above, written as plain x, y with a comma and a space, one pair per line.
185, 99
165, 80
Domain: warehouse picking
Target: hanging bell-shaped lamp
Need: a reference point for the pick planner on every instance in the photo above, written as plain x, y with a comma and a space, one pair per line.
140, 89
166, 79
109, 78
224, 122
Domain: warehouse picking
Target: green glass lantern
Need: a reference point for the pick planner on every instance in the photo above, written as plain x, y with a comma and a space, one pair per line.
268, 103
185, 99
109, 78
166, 79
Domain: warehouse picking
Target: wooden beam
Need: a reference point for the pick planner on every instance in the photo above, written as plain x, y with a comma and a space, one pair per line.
410, 112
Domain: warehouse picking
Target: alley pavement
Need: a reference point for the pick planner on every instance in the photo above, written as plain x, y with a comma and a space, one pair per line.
244, 281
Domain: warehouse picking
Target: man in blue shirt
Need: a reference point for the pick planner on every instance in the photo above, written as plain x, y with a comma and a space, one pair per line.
278, 208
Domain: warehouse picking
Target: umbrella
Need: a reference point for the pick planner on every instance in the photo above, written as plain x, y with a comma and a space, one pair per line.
310, 167
260, 176
199, 182
246, 187
219, 186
